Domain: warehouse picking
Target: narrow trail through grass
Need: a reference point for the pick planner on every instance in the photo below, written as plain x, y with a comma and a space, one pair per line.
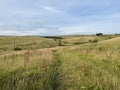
54, 81
28, 72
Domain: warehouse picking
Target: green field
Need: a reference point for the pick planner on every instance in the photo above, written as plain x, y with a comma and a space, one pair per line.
81, 63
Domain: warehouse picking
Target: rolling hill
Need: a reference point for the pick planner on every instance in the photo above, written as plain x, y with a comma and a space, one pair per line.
88, 66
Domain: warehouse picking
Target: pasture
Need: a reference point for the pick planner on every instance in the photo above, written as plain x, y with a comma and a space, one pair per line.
81, 63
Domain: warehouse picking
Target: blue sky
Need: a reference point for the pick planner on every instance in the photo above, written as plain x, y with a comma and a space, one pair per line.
59, 17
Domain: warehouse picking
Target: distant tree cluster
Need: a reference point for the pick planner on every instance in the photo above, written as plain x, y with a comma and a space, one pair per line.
117, 34
99, 34
53, 37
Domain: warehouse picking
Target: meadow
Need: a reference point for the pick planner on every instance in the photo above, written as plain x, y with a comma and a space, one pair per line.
80, 63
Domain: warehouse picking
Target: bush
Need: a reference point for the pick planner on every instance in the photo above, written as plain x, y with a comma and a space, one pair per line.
17, 49
109, 37
90, 40
93, 41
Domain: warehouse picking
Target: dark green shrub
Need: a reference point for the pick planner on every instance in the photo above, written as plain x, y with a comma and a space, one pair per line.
77, 43
93, 41
17, 49
109, 37
90, 40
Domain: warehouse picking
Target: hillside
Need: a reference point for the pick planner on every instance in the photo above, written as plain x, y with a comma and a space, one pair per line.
37, 42
88, 66
111, 40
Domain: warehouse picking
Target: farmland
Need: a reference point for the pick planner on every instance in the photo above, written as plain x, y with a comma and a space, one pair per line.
81, 63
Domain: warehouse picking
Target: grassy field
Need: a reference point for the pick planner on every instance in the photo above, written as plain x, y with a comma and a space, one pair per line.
82, 63
26, 43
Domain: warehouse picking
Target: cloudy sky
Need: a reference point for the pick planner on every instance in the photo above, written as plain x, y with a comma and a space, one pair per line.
58, 17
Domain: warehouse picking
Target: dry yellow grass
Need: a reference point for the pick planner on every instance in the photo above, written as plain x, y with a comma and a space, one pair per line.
117, 39
90, 66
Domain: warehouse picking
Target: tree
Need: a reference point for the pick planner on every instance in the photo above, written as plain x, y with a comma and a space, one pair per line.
99, 34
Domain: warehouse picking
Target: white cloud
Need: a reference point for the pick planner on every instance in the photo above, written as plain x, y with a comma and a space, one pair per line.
38, 31
10, 32
51, 9
91, 28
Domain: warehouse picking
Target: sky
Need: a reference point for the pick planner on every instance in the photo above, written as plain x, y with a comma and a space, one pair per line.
59, 17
